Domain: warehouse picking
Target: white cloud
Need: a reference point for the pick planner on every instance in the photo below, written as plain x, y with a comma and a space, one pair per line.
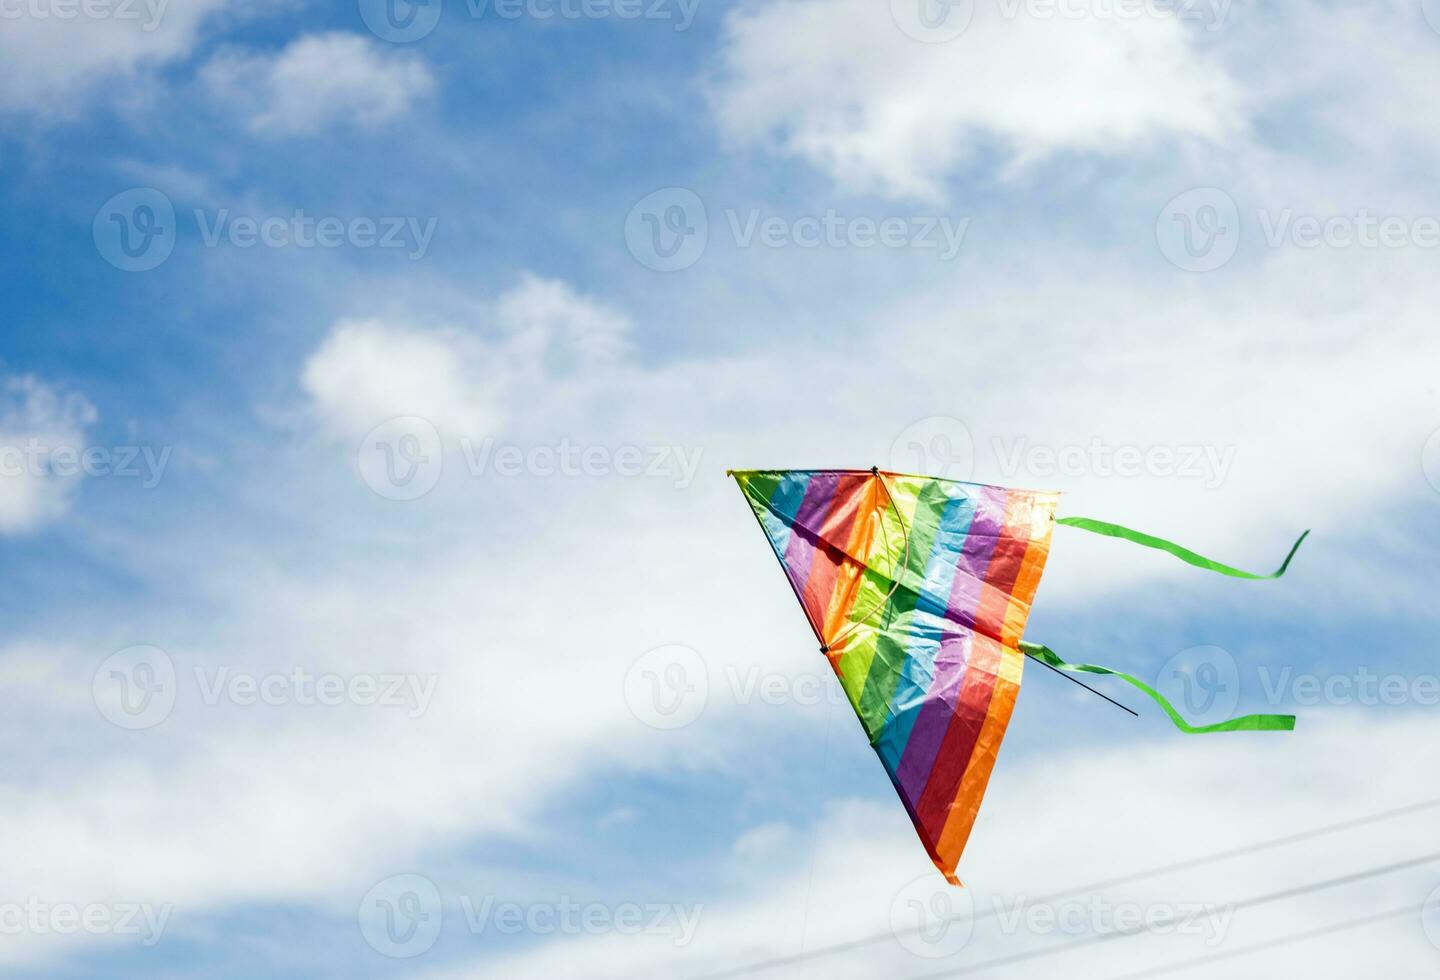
318, 81
51, 61
35, 421
839, 84
538, 333
368, 371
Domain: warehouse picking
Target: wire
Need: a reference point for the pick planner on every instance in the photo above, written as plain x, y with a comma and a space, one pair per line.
1249, 903
1082, 684
1126, 879
1297, 937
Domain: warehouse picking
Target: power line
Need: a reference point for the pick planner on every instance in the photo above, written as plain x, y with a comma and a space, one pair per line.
1249, 903
1297, 937
1185, 865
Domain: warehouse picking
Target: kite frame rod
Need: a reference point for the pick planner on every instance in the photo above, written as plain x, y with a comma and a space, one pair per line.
1087, 687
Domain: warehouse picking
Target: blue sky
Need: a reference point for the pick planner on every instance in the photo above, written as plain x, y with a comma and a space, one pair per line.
1173, 260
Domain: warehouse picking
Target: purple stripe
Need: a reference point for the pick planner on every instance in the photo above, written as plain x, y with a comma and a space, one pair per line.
943, 698
800, 552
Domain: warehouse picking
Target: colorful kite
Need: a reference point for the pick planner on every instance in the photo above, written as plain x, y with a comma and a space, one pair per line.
918, 590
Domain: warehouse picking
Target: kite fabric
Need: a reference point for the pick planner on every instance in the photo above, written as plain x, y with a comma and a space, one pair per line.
918, 590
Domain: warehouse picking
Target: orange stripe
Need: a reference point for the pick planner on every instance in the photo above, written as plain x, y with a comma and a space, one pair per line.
982, 761
861, 543
1039, 515
834, 532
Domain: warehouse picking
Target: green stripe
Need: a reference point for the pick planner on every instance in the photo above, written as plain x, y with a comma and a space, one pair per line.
898, 620
1246, 723
1184, 554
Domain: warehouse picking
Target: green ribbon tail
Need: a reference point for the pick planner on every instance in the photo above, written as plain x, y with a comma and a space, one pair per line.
1245, 723
1184, 554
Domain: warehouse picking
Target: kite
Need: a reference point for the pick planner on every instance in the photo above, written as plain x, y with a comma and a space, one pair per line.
918, 589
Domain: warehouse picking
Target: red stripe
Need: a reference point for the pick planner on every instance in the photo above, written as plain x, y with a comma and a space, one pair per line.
834, 535
960, 737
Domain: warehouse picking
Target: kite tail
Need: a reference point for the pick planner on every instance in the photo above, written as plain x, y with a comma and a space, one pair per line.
1245, 723
1184, 554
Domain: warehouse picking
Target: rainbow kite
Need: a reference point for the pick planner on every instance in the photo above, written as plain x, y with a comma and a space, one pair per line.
918, 590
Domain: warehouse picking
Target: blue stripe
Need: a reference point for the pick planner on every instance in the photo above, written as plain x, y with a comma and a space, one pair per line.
929, 623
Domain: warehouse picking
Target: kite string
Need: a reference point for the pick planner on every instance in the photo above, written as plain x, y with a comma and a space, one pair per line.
900, 575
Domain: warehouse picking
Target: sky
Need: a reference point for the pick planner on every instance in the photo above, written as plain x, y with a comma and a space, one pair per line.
375, 601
